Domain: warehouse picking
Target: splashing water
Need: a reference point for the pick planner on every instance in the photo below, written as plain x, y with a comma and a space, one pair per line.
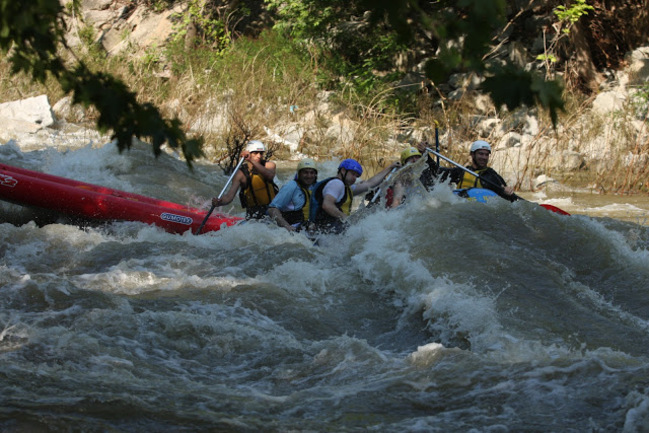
441, 315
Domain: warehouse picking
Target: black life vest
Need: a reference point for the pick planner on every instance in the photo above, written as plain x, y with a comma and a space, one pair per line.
344, 204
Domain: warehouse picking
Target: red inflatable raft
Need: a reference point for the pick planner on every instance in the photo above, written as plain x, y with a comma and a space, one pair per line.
80, 199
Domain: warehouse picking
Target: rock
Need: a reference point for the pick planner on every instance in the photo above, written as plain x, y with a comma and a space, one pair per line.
487, 126
531, 126
483, 104
511, 139
145, 29
290, 138
638, 68
64, 109
13, 128
543, 181
465, 81
456, 94
97, 4
571, 161
608, 102
35, 110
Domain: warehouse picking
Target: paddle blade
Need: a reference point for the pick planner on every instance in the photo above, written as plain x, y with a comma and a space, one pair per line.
555, 209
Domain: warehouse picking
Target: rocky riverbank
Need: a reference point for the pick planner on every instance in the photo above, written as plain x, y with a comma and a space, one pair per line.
608, 133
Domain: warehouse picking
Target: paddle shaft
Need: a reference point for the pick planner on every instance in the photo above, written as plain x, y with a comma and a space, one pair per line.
437, 142
220, 195
482, 179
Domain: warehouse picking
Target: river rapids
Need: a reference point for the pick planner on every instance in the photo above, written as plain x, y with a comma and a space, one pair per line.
441, 316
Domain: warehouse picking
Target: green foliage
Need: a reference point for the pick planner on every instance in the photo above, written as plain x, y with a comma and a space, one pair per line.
158, 5
269, 68
572, 13
366, 36
33, 31
640, 100
34, 27
88, 37
351, 46
515, 87
306, 19
547, 57
73, 7
210, 31
343, 44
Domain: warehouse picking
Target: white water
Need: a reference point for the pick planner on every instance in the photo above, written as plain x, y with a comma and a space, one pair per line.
443, 315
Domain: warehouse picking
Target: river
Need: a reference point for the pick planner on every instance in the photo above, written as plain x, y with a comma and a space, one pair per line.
441, 316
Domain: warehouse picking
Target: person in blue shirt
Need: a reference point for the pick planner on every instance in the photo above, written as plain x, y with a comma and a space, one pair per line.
290, 207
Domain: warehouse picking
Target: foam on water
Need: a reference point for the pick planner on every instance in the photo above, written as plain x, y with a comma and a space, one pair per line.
441, 315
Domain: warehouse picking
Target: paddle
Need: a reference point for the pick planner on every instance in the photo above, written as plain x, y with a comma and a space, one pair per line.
437, 141
482, 179
220, 195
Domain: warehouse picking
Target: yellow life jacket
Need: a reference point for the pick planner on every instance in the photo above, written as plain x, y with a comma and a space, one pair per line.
258, 191
345, 204
470, 181
307, 202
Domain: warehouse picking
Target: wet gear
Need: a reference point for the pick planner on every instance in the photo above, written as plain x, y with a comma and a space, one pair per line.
480, 144
325, 222
351, 164
306, 163
409, 152
466, 180
255, 146
297, 215
257, 193
428, 177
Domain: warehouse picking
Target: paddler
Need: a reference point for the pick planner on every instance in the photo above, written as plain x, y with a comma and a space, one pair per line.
333, 197
290, 207
255, 178
480, 151
397, 193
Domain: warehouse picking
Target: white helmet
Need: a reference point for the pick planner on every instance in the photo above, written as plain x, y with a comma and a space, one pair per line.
255, 146
480, 144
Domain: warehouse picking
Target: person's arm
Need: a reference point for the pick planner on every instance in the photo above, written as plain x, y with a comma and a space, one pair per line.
508, 190
329, 206
454, 173
505, 191
374, 180
432, 164
229, 196
266, 171
398, 191
276, 215
281, 201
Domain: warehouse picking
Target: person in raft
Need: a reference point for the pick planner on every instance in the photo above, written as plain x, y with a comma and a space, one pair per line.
254, 181
332, 197
489, 178
290, 207
396, 194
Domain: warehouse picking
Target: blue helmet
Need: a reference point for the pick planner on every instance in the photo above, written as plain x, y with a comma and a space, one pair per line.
351, 164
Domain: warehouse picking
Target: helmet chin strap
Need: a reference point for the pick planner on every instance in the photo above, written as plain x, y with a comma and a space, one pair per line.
344, 175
